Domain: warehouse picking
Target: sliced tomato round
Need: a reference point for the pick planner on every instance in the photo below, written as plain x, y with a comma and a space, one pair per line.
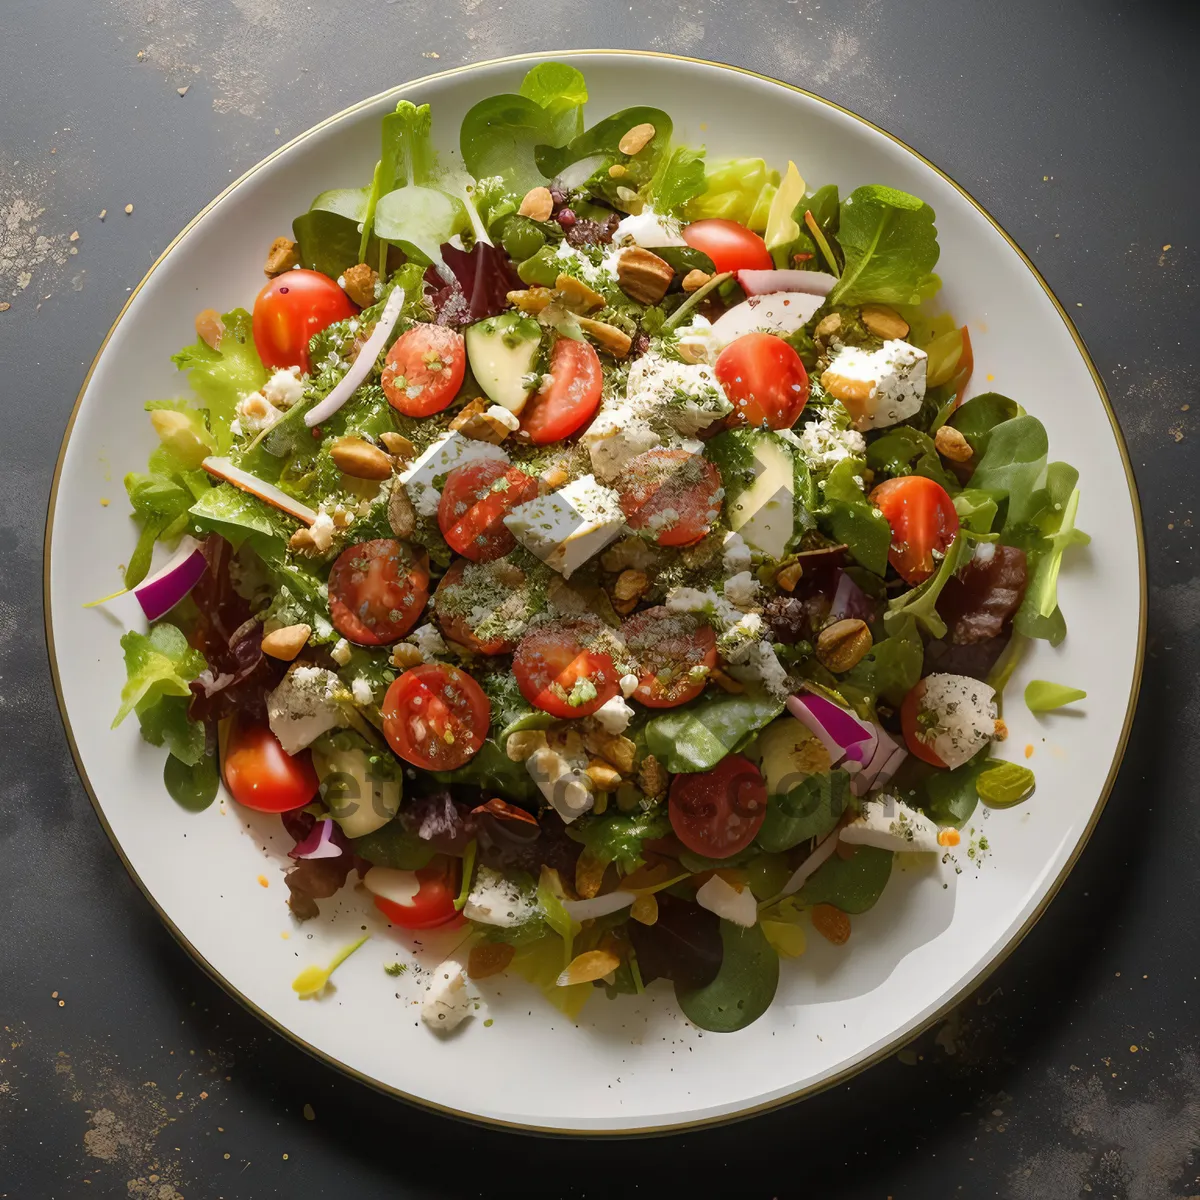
764, 379
732, 247
572, 397
719, 812
377, 591
476, 499
435, 717
923, 522
420, 899
424, 370
289, 310
910, 723
261, 775
565, 668
674, 494
672, 654
478, 605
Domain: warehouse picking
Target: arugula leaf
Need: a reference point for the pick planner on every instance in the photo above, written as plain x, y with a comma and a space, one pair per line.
617, 837
222, 377
891, 668
678, 178
890, 244
698, 736
811, 809
921, 602
851, 884
851, 518
736, 189
561, 91
904, 450
1043, 696
157, 664
743, 988
1014, 463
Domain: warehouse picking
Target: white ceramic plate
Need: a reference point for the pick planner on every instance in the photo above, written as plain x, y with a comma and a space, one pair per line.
634, 1064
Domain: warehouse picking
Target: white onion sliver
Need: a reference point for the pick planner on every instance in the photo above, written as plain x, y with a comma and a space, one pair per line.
598, 906
360, 368
817, 858
318, 843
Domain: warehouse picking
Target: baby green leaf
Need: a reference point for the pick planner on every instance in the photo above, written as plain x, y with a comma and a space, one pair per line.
743, 988
1043, 696
1004, 784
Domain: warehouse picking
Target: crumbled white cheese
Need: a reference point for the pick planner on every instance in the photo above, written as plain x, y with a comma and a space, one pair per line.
322, 530
629, 553
447, 1002
736, 554
303, 707
742, 589
728, 902
648, 229
759, 664
890, 824
955, 717
574, 262
340, 652
616, 436
256, 413
628, 685
284, 388
495, 900
614, 715
684, 397
984, 552
566, 788
428, 639
425, 500
895, 374
824, 445
360, 689
508, 419
696, 341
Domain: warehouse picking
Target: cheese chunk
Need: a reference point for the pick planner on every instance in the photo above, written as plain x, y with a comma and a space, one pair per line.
449, 451
497, 901
616, 436
565, 786
878, 388
302, 707
955, 717
727, 902
890, 824
567, 527
447, 1002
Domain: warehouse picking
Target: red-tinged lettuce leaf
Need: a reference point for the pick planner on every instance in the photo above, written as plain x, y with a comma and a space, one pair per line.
446, 824
683, 945
483, 277
313, 879
979, 602
973, 659
507, 845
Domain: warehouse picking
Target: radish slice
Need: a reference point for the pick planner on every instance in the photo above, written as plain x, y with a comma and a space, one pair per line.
762, 283
222, 468
360, 368
777, 312
842, 733
164, 589
817, 858
318, 843
598, 906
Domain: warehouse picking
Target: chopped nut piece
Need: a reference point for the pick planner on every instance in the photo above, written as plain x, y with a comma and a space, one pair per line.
537, 205
630, 584
531, 300
555, 476
589, 874
405, 655
616, 171
359, 282
694, 280
652, 777
475, 422
726, 683
474, 408
637, 139
588, 967
284, 644
843, 644
401, 516
612, 339
360, 459
645, 909
399, 445
643, 276
576, 294
614, 748
831, 923
1001, 732
282, 256
952, 445
302, 542
524, 743
604, 778
787, 577
827, 327
210, 327
341, 518
884, 322
489, 958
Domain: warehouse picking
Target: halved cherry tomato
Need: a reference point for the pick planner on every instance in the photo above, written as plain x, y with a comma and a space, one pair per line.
673, 493
289, 310
261, 775
482, 580
565, 660
418, 899
673, 654
377, 590
923, 520
477, 497
719, 812
764, 379
424, 370
732, 247
910, 722
572, 397
435, 717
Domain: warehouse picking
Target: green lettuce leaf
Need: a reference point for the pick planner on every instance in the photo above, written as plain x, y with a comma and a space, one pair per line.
157, 664
327, 236
165, 723
851, 884
890, 245
1043, 696
904, 450
697, 736
736, 189
743, 988
561, 92
1014, 464
809, 810
1039, 615
848, 516
890, 669
678, 178
192, 786
617, 837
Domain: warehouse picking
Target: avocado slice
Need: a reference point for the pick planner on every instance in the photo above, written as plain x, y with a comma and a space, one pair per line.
502, 351
360, 790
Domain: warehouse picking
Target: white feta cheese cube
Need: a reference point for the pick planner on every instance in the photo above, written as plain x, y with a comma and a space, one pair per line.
449, 451
360, 689
648, 229
340, 652
303, 707
890, 824
824, 445
567, 527
428, 639
615, 437
727, 902
742, 590
956, 717
892, 377
495, 900
736, 554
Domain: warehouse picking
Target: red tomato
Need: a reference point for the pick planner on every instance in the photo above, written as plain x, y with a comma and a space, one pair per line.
923, 520
424, 370
558, 660
764, 379
475, 501
910, 722
719, 812
377, 590
260, 775
289, 310
417, 899
571, 399
455, 624
673, 654
674, 493
435, 717
732, 247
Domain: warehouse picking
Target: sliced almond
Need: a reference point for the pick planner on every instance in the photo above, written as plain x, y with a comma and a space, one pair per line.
577, 295
537, 205
210, 327
610, 338
604, 777
787, 577
726, 683
531, 300
401, 515
589, 874
644, 909
360, 459
637, 139
588, 967
284, 644
884, 322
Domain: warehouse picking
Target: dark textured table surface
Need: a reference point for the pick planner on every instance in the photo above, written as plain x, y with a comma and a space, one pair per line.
1075, 1072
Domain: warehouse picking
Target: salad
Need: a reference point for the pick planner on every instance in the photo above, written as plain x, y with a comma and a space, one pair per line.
596, 549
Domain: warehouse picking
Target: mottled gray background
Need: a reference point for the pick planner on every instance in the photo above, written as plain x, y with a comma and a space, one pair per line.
124, 1072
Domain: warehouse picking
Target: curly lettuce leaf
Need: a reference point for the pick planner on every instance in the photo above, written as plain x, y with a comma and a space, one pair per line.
157, 664
736, 189
890, 245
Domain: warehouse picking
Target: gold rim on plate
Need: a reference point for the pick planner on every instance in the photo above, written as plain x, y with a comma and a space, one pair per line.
811, 1089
